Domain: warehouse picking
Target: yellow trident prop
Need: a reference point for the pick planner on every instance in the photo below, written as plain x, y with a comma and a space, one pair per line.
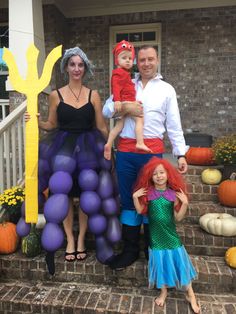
31, 87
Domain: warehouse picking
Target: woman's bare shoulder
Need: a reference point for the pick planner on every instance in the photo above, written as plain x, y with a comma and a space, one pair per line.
54, 97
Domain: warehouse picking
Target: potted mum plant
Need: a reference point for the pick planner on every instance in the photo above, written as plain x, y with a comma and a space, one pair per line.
10, 204
224, 149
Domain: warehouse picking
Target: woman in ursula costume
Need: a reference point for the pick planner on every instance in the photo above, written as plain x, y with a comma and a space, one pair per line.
71, 164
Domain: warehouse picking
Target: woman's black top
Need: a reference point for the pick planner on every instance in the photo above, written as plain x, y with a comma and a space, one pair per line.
75, 120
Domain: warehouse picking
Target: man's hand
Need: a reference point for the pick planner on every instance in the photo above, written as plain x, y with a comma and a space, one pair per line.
182, 165
132, 108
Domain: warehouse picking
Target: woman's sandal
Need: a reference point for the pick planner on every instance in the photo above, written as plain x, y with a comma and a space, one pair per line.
72, 258
77, 255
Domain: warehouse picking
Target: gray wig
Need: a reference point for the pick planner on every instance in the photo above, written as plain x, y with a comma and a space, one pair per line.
76, 51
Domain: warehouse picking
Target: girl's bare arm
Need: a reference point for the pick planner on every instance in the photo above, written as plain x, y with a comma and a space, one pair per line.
181, 197
141, 192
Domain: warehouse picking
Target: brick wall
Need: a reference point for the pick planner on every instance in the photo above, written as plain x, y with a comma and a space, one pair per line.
198, 58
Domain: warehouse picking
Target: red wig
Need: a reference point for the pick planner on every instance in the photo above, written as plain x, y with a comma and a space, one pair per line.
175, 179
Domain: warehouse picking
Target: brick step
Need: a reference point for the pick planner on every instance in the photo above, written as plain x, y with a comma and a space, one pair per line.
53, 297
199, 242
197, 209
195, 239
198, 191
202, 192
213, 274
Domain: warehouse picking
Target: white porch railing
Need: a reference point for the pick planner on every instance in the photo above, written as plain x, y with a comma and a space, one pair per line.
12, 147
4, 108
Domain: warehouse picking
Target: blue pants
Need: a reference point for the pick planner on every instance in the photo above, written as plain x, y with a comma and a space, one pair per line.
128, 166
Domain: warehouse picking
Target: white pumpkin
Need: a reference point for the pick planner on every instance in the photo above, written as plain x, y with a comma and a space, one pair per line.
211, 176
219, 224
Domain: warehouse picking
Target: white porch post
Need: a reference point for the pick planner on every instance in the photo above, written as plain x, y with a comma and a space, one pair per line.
25, 27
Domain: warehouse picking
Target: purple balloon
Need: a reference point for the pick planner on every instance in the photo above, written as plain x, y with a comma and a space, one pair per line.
105, 187
113, 230
22, 228
104, 251
60, 182
110, 207
97, 224
87, 160
43, 167
88, 180
52, 237
63, 163
90, 202
56, 208
105, 164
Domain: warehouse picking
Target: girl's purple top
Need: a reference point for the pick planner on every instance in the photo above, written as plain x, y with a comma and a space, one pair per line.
154, 194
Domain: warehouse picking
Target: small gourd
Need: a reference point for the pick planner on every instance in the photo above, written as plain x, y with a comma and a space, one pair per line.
30, 244
230, 257
8, 238
219, 224
211, 176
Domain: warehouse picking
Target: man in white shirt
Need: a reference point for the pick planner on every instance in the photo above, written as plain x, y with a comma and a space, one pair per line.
161, 113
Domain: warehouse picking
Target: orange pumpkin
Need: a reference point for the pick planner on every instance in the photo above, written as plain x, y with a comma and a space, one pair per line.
227, 191
200, 156
8, 238
230, 257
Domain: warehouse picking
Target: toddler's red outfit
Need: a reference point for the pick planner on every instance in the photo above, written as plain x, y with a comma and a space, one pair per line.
122, 86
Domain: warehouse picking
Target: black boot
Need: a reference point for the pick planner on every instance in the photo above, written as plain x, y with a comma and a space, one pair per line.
146, 239
130, 237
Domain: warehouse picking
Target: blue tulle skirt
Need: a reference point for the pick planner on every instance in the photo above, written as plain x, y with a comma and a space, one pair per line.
170, 268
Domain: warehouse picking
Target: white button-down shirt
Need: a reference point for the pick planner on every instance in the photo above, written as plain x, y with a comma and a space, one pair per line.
160, 110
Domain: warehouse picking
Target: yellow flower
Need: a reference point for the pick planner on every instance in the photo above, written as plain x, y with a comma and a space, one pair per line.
224, 149
11, 199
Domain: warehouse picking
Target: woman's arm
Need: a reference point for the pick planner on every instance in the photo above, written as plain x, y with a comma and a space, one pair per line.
141, 192
100, 121
51, 122
181, 197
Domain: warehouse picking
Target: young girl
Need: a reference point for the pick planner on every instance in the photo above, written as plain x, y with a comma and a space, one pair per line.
161, 193
123, 89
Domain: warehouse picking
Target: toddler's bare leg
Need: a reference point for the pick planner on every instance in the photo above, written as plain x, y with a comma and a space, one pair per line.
112, 135
139, 135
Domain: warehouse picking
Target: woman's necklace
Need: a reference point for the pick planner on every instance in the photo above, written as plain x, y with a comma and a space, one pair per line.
76, 97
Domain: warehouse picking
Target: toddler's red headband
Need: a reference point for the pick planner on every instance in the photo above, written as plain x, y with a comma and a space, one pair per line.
122, 46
